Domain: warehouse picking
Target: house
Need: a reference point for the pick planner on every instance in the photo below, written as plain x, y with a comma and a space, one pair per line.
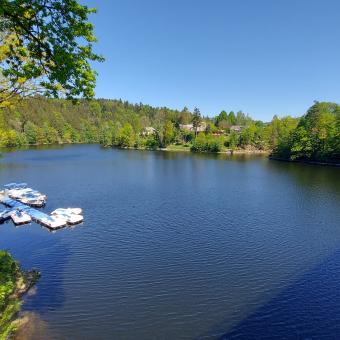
190, 127
147, 131
236, 128
186, 127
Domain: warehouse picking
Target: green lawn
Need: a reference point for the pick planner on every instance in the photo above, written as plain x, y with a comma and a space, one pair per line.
181, 147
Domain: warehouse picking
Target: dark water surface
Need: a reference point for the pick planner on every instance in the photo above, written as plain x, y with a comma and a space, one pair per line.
181, 246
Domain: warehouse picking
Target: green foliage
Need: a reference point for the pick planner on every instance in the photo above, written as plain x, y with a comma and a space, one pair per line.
116, 123
232, 118
46, 45
31, 132
316, 137
9, 272
232, 141
196, 119
8, 275
46, 121
225, 120
184, 117
206, 143
168, 134
248, 135
151, 143
125, 136
10, 138
187, 136
222, 120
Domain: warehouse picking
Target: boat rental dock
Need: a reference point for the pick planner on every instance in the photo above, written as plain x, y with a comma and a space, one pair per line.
53, 221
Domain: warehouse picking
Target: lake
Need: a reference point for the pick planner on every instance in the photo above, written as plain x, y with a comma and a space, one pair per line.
180, 245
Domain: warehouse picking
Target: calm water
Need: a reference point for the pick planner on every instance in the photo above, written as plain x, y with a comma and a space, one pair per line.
181, 246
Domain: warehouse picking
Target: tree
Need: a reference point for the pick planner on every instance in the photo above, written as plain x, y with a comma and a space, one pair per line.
233, 140
31, 133
247, 136
168, 133
222, 117
125, 136
206, 143
316, 136
223, 121
232, 118
196, 120
151, 142
184, 116
46, 47
10, 139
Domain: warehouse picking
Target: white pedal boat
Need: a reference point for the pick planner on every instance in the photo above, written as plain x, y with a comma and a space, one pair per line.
5, 215
52, 222
33, 201
20, 217
74, 211
70, 218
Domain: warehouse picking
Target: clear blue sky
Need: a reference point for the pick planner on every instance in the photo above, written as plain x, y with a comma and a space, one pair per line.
264, 57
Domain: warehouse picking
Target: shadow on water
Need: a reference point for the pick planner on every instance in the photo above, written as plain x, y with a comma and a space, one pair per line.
49, 290
35, 247
307, 309
307, 175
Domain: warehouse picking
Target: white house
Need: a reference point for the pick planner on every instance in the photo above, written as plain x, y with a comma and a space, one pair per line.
190, 127
147, 131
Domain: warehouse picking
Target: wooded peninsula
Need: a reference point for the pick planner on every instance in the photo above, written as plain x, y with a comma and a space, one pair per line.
37, 121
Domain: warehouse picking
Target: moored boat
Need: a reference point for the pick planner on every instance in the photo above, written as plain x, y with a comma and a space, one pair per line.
20, 217
70, 215
70, 218
20, 201
15, 186
52, 222
20, 192
5, 215
33, 200
75, 211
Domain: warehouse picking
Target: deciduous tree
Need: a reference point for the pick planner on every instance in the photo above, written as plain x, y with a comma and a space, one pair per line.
46, 47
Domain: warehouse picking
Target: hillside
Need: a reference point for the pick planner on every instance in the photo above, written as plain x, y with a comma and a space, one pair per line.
37, 121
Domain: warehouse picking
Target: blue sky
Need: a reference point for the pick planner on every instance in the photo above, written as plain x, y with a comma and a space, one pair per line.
263, 57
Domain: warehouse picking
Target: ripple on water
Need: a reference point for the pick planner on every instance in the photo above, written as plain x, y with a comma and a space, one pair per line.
182, 247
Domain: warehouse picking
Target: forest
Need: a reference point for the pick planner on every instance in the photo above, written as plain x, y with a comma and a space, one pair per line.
36, 121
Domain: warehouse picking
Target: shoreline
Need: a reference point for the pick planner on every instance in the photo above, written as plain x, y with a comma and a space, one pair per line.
170, 148
22, 281
181, 148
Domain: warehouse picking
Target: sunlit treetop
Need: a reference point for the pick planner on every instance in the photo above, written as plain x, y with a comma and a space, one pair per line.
46, 47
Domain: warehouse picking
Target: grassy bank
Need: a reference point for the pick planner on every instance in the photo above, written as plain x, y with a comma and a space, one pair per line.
14, 283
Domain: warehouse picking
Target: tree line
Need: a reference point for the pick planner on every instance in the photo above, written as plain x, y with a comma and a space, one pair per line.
314, 136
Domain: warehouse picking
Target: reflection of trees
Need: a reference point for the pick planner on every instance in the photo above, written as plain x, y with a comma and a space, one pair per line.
314, 177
